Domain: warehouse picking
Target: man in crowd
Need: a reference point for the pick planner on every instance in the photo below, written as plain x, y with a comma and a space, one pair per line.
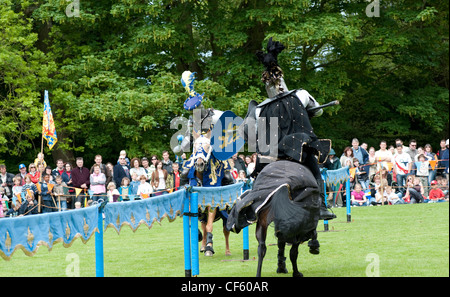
59, 170
359, 152
121, 170
80, 178
167, 163
6, 180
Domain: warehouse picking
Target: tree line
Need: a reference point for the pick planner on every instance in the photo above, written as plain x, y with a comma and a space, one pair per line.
113, 70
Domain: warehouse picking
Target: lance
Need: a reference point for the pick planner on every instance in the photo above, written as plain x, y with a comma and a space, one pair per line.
332, 103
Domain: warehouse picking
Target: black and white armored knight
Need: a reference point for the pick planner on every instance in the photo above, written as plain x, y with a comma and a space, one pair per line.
284, 118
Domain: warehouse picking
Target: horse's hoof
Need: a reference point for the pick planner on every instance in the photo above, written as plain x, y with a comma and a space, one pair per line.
314, 251
209, 251
282, 270
297, 274
227, 253
202, 249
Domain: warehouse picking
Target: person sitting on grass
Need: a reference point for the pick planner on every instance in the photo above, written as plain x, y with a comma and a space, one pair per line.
358, 196
436, 194
392, 197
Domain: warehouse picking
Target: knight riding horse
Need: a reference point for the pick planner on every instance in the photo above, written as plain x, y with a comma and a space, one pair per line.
288, 188
203, 168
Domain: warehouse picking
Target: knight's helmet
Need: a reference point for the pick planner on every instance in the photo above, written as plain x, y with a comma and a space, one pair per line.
272, 77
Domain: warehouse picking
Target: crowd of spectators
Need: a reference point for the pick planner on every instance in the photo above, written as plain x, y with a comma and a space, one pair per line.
395, 174
390, 175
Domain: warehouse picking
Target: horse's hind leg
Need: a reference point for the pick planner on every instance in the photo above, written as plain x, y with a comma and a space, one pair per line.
261, 233
209, 250
226, 233
293, 256
281, 258
202, 249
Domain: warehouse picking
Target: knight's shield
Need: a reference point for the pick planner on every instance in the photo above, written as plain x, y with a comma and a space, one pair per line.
225, 139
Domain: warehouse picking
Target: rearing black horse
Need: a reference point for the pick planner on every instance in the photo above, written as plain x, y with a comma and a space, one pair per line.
285, 193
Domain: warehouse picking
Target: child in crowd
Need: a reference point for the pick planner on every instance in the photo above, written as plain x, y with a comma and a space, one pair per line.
358, 197
361, 175
30, 206
125, 190
77, 205
145, 189
423, 171
14, 210
443, 185
29, 185
40, 160
379, 188
113, 194
241, 177
123, 154
392, 197
3, 200
60, 191
436, 194
17, 188
134, 184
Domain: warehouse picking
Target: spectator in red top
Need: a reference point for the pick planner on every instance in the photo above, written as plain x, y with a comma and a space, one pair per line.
33, 173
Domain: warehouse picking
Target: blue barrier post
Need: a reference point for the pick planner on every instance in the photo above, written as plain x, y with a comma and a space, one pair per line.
187, 241
99, 257
194, 234
347, 200
246, 243
325, 222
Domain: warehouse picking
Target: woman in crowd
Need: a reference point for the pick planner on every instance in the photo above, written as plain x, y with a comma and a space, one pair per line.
136, 167
347, 157
33, 173
67, 179
98, 183
159, 176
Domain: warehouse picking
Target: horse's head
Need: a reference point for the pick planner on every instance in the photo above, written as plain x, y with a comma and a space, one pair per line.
201, 153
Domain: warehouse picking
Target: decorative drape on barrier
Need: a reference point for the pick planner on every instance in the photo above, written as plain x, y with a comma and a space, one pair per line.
147, 211
30, 232
334, 177
220, 197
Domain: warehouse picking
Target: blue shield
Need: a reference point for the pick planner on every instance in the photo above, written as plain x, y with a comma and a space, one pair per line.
225, 139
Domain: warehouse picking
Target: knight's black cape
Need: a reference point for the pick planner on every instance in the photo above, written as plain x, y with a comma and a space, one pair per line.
292, 192
294, 134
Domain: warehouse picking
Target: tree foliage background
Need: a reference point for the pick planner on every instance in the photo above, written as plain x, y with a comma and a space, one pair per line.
113, 73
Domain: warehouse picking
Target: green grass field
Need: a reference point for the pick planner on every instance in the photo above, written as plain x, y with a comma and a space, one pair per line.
403, 240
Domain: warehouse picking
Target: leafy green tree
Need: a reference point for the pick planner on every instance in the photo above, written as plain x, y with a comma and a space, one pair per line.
114, 72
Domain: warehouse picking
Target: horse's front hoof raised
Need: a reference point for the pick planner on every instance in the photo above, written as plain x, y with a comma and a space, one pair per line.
208, 253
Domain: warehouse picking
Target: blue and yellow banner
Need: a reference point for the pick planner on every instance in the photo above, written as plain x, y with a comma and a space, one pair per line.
48, 125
